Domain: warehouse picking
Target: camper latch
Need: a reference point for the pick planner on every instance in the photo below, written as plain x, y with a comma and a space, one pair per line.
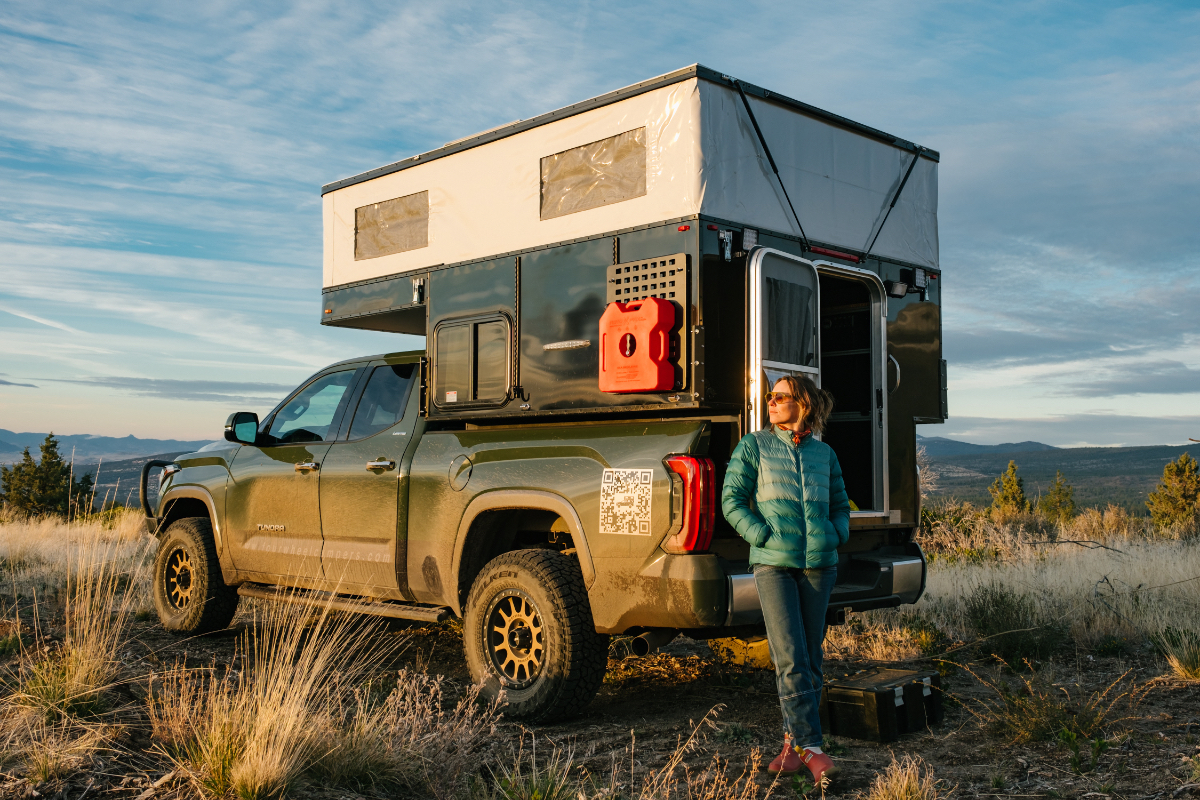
726, 238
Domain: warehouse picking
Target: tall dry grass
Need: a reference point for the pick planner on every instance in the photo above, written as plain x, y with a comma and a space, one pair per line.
84, 583
1106, 582
309, 704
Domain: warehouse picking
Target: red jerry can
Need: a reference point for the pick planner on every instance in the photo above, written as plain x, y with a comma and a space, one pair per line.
635, 346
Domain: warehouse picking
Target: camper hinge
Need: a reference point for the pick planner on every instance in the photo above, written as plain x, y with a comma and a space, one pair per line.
517, 392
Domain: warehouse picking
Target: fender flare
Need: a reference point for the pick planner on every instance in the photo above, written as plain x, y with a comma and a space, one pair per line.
526, 499
197, 493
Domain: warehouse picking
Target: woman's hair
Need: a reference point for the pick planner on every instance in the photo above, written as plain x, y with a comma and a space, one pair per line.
817, 402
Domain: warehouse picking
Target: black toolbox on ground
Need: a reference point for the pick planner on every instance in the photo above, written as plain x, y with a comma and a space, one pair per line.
880, 704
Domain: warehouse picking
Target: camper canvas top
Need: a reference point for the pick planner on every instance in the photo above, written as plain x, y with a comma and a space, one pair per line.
692, 142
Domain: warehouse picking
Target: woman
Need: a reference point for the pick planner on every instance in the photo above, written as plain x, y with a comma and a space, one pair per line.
784, 494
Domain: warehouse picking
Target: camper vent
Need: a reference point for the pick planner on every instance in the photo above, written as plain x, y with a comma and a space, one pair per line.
665, 277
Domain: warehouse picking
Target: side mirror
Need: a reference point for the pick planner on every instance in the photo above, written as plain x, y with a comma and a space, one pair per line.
242, 427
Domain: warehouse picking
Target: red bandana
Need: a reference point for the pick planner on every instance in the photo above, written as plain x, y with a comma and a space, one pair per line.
798, 435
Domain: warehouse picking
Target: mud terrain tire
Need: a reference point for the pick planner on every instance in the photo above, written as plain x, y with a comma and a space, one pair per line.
189, 594
528, 632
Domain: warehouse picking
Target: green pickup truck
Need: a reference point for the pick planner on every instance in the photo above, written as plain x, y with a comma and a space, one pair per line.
548, 467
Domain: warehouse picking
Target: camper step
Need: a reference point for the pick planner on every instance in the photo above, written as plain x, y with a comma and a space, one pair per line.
309, 597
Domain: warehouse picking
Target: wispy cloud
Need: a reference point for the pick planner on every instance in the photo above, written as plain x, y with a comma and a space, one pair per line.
193, 390
161, 213
11, 383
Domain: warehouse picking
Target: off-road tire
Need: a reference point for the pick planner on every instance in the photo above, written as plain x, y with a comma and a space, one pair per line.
574, 656
205, 604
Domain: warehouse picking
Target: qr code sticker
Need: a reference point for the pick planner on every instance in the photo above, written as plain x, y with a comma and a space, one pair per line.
625, 501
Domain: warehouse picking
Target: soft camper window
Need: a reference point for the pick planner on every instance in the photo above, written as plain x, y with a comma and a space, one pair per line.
594, 175
393, 226
471, 362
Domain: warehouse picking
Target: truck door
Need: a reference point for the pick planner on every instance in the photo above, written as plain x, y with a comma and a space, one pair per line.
361, 482
784, 326
272, 505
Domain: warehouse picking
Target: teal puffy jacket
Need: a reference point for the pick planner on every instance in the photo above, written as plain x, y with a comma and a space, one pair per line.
788, 501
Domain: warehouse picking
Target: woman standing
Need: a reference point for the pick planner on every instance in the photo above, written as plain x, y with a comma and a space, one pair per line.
784, 494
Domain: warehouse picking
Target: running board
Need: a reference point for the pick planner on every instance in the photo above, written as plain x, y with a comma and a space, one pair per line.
312, 597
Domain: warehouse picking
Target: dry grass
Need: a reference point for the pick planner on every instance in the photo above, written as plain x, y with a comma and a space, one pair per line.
305, 705
1182, 651
907, 779
70, 681
1041, 707
557, 777
1106, 583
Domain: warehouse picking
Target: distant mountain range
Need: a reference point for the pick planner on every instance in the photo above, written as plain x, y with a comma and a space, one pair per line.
937, 446
1100, 475
89, 449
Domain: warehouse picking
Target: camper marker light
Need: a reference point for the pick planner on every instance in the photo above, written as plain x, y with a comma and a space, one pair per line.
685, 227
825, 251
699, 504
713, 227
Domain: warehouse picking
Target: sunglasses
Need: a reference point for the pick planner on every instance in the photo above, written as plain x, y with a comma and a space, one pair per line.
780, 397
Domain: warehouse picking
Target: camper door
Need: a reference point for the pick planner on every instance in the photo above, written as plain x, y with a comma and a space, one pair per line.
784, 325
826, 321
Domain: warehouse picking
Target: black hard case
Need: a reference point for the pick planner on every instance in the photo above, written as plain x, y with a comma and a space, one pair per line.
880, 704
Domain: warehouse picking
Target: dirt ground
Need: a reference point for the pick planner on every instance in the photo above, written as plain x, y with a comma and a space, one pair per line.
648, 705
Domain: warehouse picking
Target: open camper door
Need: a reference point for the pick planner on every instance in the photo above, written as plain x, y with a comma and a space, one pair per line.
784, 325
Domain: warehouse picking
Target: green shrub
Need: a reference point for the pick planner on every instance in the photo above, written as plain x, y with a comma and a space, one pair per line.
1008, 494
1008, 626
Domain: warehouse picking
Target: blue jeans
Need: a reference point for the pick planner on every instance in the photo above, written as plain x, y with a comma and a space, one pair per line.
794, 602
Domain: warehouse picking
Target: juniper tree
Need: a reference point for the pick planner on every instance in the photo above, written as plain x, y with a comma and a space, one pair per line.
1176, 501
1058, 503
1008, 494
45, 486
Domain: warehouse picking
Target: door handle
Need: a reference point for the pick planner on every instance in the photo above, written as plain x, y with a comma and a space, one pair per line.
306, 465
382, 463
896, 364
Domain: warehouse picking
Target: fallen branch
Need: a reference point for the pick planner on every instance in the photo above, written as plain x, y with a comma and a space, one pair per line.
1086, 543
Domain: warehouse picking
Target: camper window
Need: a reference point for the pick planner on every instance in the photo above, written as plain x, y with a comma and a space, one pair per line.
471, 361
393, 226
594, 175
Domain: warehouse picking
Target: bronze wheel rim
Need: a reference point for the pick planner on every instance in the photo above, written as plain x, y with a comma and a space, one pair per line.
515, 639
180, 577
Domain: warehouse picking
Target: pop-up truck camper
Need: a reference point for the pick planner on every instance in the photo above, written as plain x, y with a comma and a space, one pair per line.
605, 293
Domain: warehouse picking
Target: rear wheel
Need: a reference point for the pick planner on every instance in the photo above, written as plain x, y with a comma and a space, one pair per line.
189, 595
528, 632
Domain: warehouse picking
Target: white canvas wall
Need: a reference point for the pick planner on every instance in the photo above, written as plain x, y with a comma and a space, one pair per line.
486, 200
702, 157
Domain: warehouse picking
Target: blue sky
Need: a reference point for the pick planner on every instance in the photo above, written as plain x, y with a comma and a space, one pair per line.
161, 165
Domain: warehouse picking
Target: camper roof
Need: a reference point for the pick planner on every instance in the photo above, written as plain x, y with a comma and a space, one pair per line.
687, 144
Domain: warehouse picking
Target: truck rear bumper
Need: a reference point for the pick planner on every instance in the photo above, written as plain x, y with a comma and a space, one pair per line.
882, 578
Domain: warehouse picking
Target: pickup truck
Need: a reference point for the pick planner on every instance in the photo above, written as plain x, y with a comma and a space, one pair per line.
605, 293
346, 496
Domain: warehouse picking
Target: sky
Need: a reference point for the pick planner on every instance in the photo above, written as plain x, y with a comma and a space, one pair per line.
161, 166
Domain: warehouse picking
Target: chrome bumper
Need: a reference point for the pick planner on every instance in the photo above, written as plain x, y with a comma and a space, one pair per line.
870, 581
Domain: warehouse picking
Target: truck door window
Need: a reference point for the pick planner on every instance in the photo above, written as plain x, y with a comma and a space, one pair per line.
471, 360
382, 402
308, 415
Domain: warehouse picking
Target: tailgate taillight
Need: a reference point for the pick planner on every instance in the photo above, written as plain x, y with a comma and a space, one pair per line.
699, 504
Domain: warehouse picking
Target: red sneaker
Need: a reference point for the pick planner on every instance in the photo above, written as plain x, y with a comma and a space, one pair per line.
820, 765
786, 763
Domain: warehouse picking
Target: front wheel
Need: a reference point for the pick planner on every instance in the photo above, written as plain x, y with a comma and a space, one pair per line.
528, 632
189, 595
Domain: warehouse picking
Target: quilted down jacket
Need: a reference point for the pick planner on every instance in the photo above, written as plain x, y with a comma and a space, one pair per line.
788, 501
